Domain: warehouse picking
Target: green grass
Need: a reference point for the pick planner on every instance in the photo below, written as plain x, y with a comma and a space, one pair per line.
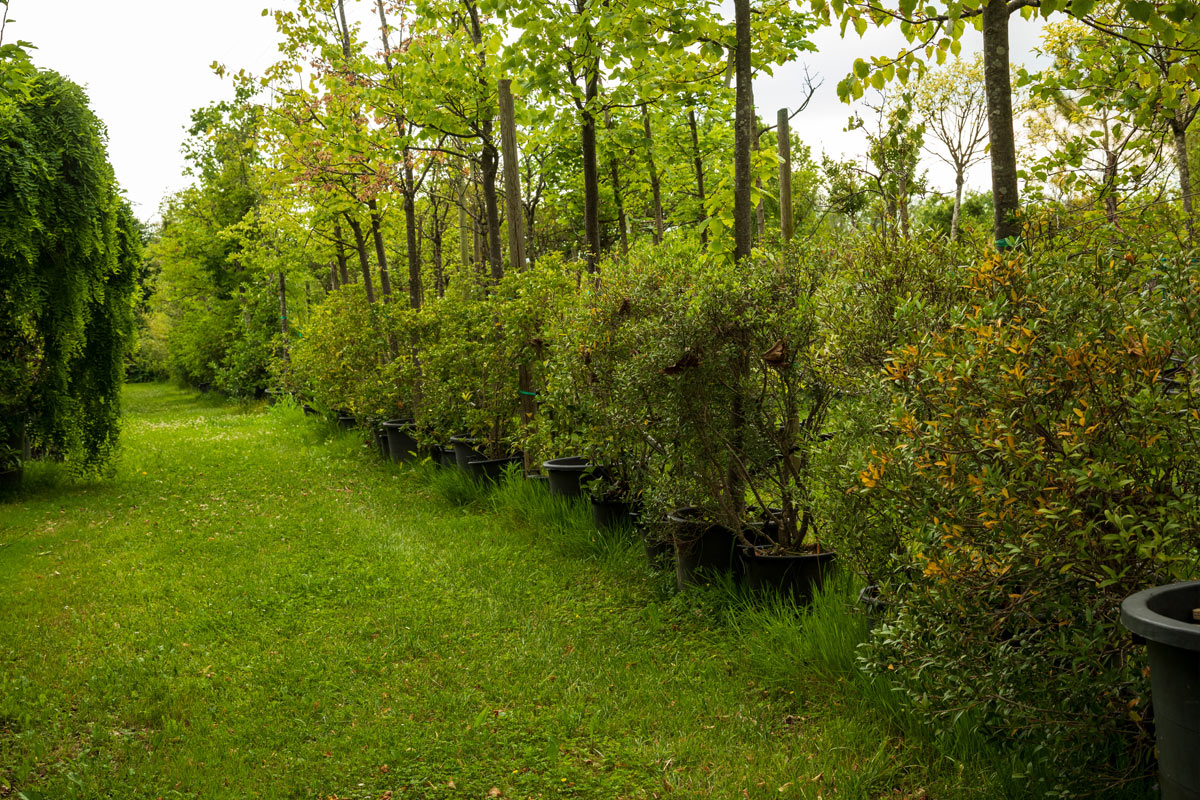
255, 606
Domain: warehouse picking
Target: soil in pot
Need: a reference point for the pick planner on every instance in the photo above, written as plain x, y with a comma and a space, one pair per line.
466, 451
795, 576
1168, 618
567, 475
401, 444
491, 470
701, 546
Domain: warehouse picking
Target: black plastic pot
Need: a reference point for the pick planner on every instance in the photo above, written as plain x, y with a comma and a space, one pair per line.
794, 576
346, 422
567, 475
381, 442
401, 444
464, 451
491, 470
656, 542
309, 411
612, 515
446, 458
540, 481
272, 396
1167, 618
701, 545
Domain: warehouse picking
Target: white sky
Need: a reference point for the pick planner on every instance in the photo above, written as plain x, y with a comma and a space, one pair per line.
145, 64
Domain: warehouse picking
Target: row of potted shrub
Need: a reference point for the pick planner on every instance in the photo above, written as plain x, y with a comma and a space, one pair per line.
1001, 437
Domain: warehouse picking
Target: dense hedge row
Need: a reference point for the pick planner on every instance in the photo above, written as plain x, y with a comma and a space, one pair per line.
998, 441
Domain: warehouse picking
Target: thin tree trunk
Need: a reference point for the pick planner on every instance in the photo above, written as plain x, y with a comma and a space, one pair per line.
360, 244
1179, 132
998, 88
465, 227
698, 164
385, 281
283, 315
591, 175
616, 185
744, 134
333, 277
655, 182
415, 289
958, 189
512, 178
341, 254
745, 131
786, 223
490, 158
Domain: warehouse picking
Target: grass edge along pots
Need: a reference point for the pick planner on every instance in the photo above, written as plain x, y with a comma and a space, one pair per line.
464, 451
491, 470
796, 576
700, 544
567, 475
401, 445
1168, 618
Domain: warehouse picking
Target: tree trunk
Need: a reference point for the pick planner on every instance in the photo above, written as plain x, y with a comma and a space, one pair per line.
514, 211
958, 188
743, 135
1110, 188
385, 281
283, 317
698, 164
655, 183
998, 88
786, 222
360, 244
465, 227
1179, 131
333, 277
616, 186
591, 175
341, 254
415, 289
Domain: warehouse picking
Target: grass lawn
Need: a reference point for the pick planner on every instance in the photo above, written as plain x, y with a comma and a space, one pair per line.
256, 606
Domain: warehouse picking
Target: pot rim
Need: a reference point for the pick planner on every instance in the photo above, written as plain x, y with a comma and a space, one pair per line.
567, 464
757, 553
1138, 614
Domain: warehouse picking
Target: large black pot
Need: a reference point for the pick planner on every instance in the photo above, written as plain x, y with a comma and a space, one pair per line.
446, 458
491, 470
401, 444
346, 421
465, 451
612, 515
794, 576
540, 481
656, 542
1167, 618
567, 475
701, 545
381, 442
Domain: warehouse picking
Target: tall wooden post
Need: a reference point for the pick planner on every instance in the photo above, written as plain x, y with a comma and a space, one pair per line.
786, 223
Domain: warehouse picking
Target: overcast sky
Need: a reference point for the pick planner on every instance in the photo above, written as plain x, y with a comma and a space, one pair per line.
145, 64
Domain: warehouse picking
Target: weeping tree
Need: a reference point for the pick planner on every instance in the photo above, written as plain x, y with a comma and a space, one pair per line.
69, 252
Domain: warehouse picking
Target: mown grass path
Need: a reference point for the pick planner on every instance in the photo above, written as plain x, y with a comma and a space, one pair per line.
254, 606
